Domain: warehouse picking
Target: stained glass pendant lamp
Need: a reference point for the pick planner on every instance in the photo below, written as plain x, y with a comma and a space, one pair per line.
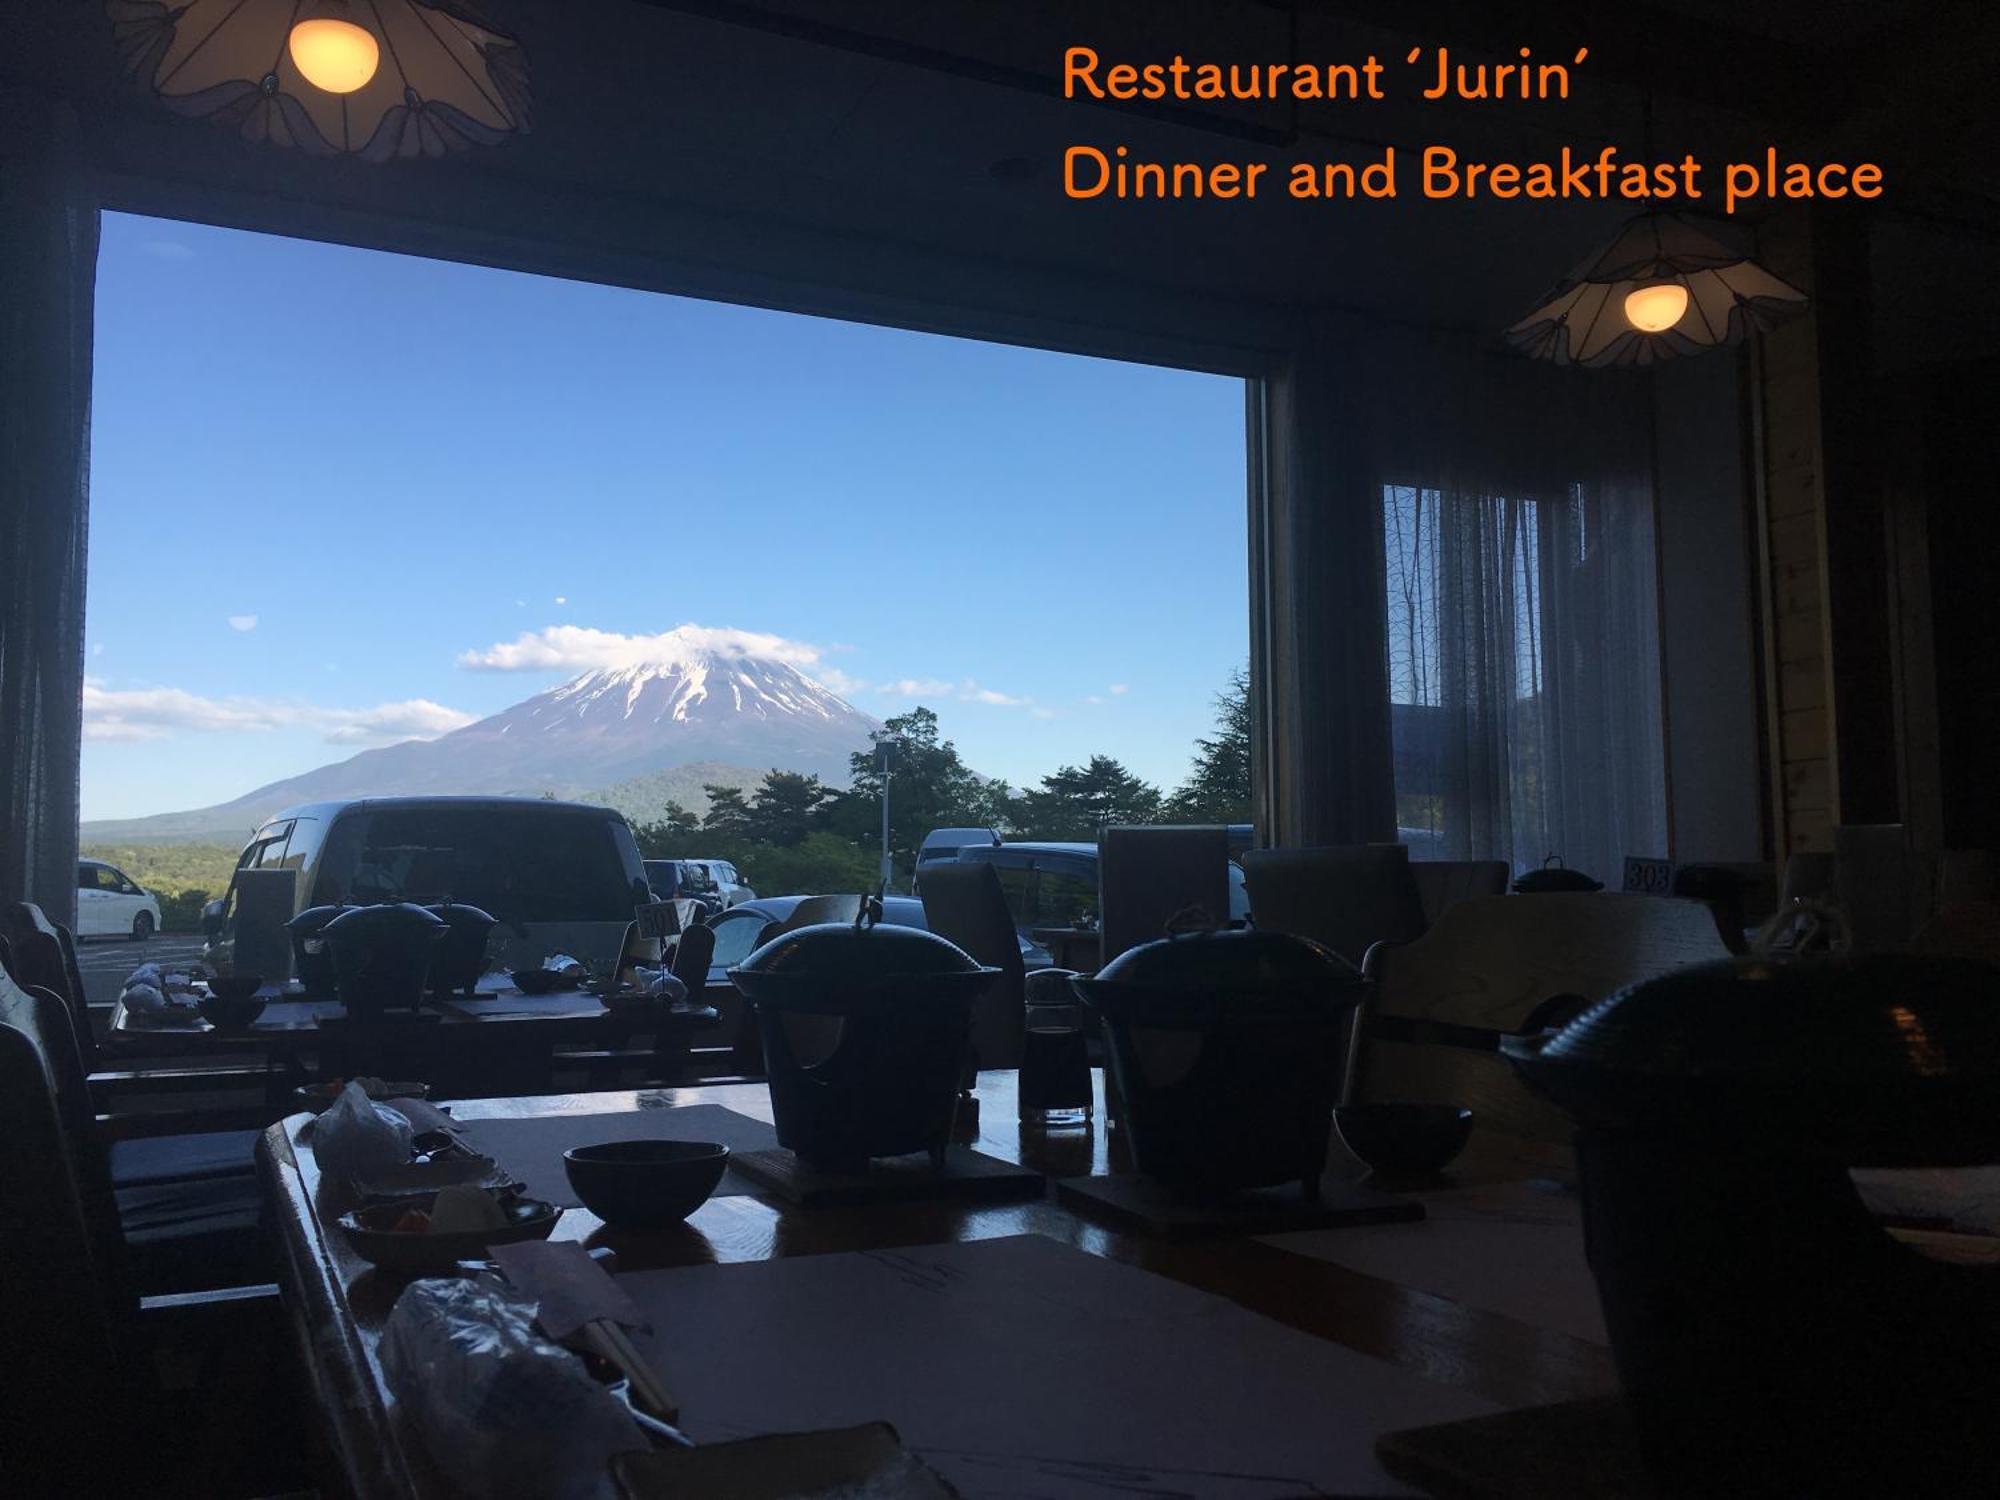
1668, 284
377, 79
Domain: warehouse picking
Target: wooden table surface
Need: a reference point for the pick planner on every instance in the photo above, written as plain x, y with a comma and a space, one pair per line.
339, 1302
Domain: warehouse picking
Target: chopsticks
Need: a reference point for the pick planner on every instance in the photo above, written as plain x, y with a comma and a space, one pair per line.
611, 1343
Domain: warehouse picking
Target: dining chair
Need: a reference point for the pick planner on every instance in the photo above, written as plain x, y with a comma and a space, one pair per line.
1964, 929
1441, 882
964, 903
1497, 965
1151, 877
814, 910
84, 1410
175, 1232
1885, 887
1347, 896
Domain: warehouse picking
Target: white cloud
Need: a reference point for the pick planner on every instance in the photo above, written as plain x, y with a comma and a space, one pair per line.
972, 692
167, 250
158, 713
97, 649
1092, 698
577, 648
915, 687
1039, 712
1120, 689
562, 598
841, 682
244, 623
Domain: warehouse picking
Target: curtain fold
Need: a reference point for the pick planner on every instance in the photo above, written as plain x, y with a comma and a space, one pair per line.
1520, 592
48, 264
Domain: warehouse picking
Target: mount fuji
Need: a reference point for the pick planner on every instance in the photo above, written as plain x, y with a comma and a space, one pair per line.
721, 716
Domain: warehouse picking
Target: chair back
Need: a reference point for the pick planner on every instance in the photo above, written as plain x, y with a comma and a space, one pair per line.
963, 903
1347, 896
45, 958
1886, 888
61, 1249
1485, 967
817, 909
1964, 929
694, 951
1148, 876
1444, 882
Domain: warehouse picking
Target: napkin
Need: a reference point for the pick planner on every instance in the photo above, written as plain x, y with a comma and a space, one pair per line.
356, 1138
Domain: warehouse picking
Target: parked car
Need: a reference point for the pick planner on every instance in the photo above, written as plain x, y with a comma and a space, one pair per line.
737, 929
684, 880
1055, 885
734, 892
559, 876
942, 844
109, 903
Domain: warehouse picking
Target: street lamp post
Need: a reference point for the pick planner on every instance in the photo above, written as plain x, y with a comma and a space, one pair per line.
886, 746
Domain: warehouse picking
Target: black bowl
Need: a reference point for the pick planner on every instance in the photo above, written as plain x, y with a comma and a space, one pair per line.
232, 1001
1405, 1139
541, 981
645, 1184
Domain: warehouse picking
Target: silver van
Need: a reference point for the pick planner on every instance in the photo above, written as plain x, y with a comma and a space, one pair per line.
559, 876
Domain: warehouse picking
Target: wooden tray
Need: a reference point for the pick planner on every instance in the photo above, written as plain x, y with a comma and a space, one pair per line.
1132, 1201
1584, 1450
966, 1174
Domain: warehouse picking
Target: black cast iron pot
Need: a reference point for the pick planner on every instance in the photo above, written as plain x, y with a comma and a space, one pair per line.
1228, 1049
1771, 1337
461, 955
382, 955
865, 1031
310, 960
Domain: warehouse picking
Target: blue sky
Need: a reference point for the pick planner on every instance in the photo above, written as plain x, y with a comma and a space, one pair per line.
321, 476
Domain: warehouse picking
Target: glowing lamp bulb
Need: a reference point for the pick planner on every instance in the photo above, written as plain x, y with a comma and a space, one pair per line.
1655, 309
334, 55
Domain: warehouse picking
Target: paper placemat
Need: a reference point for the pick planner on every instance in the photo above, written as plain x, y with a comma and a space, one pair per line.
1022, 1366
1515, 1249
561, 1004
532, 1149
295, 1015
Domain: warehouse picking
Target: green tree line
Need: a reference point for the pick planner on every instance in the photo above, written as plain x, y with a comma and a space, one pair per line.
794, 833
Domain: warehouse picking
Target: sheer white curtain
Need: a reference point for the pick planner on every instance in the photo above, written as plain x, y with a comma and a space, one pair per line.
1521, 597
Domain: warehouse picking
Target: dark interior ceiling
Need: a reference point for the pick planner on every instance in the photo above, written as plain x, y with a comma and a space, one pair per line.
796, 139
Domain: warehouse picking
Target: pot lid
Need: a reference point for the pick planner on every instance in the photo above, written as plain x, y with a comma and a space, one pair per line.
1861, 1020
385, 919
461, 914
315, 917
865, 949
1241, 960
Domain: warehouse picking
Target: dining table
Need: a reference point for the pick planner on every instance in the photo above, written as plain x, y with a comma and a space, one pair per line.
496, 1037
338, 1303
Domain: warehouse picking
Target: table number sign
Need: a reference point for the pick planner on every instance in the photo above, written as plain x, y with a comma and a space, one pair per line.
658, 919
1649, 877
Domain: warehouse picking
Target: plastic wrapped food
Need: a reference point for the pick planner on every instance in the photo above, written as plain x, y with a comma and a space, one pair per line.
356, 1138
499, 1408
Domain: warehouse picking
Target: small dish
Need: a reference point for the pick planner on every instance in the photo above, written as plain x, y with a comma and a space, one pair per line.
372, 1233
1414, 1140
645, 1184
232, 1002
541, 981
